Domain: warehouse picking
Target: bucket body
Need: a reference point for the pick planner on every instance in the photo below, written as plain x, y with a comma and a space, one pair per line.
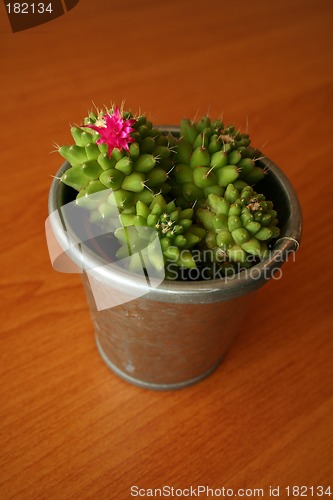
174, 334
165, 345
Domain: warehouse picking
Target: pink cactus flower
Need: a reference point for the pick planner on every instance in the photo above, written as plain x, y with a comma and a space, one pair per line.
114, 131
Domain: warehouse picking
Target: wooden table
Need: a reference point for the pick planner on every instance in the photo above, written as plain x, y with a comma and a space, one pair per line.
70, 428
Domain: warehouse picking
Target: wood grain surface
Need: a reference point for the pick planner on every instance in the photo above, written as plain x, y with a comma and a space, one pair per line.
70, 428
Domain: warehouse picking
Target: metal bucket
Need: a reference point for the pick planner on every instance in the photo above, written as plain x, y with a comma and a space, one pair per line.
174, 335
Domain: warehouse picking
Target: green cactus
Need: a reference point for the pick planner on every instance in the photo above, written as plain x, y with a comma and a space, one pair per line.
142, 169
174, 226
208, 158
238, 225
194, 191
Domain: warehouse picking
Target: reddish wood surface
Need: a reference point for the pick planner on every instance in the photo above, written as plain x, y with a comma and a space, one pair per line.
70, 429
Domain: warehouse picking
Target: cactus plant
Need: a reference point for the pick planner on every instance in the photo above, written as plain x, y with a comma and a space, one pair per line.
120, 153
209, 157
238, 225
194, 190
175, 228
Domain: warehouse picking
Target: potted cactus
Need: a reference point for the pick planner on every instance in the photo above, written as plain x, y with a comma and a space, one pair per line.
172, 228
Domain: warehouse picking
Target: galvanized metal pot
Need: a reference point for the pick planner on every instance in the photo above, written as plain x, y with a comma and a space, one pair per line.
176, 334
